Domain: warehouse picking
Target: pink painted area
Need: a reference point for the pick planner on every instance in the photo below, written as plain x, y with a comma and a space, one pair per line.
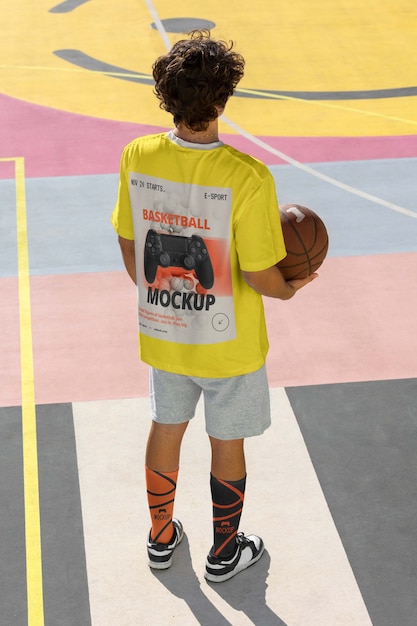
85, 338
356, 322
324, 149
57, 143
10, 382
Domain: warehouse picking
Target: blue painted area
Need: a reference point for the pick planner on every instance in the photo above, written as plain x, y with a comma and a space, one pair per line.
70, 231
357, 226
68, 224
8, 229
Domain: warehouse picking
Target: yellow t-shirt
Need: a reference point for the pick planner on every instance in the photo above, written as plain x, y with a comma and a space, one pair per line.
198, 215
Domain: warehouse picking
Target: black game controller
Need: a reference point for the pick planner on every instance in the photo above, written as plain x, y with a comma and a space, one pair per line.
177, 251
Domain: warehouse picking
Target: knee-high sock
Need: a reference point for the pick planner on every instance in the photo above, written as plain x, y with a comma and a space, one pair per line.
228, 499
161, 488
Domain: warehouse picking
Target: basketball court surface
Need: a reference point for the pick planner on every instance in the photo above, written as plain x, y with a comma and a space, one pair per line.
329, 102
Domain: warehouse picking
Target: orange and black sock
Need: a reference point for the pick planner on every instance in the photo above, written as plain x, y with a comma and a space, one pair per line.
161, 488
228, 499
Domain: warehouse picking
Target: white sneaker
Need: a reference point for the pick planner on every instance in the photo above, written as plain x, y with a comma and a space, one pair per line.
249, 551
160, 554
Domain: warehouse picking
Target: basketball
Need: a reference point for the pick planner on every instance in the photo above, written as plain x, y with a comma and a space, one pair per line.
306, 241
177, 283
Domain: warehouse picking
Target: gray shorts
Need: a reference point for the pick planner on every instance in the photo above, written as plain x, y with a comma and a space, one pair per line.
235, 408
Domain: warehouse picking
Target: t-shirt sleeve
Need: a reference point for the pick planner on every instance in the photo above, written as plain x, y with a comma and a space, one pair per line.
121, 217
258, 232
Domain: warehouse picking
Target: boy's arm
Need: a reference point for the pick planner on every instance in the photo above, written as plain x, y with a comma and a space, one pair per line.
127, 246
270, 282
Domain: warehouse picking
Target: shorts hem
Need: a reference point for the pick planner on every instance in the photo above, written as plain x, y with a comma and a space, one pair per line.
246, 435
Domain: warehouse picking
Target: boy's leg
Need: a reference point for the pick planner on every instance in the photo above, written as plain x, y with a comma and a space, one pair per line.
228, 458
162, 463
227, 483
232, 551
164, 446
173, 401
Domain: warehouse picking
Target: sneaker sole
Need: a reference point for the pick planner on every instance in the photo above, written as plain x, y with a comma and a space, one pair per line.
162, 565
221, 578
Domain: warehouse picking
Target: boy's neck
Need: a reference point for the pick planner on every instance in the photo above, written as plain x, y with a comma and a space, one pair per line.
210, 135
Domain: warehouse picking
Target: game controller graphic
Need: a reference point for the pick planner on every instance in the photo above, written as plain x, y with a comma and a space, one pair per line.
189, 253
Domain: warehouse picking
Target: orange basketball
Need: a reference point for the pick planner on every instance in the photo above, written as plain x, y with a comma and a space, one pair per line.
306, 241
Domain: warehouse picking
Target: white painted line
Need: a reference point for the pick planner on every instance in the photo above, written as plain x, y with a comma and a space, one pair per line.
315, 173
159, 26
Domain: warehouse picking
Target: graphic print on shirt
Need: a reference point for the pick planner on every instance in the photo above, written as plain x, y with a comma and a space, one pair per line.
182, 239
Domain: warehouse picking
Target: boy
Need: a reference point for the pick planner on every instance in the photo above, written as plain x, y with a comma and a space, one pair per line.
200, 235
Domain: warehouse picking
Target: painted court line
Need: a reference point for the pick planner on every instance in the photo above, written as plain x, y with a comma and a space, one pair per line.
30, 457
324, 103
159, 26
315, 173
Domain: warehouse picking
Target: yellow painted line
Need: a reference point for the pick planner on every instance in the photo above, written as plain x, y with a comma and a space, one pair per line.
30, 453
323, 103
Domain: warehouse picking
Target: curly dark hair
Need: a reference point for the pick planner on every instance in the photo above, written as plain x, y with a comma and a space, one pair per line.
196, 78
